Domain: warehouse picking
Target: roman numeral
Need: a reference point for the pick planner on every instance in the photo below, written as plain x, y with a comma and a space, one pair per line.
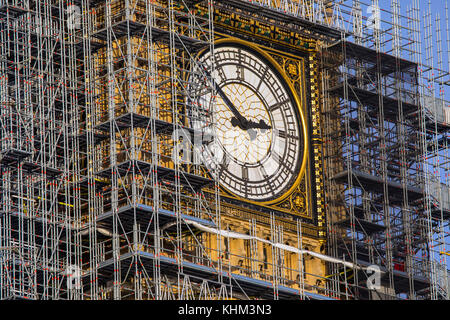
284, 135
278, 105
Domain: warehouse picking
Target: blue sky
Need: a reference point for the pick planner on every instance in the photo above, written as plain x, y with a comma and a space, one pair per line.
436, 7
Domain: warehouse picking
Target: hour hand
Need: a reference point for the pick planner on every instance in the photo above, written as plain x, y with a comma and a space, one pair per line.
258, 125
250, 124
239, 120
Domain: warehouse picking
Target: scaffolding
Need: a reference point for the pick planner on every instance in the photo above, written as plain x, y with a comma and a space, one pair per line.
98, 199
387, 157
104, 196
40, 98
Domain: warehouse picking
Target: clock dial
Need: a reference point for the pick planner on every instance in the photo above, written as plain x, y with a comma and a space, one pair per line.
256, 163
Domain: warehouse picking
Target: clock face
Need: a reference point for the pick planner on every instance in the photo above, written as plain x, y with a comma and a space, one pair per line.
258, 164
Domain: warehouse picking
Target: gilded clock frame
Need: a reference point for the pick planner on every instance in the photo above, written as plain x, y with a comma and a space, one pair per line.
298, 194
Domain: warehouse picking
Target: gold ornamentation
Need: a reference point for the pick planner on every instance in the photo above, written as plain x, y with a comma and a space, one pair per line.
297, 199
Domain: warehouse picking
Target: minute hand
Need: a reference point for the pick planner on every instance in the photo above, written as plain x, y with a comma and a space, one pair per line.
241, 120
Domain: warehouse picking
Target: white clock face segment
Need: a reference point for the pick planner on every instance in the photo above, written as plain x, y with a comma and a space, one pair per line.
255, 164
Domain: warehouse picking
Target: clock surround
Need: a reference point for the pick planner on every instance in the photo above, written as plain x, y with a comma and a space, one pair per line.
295, 100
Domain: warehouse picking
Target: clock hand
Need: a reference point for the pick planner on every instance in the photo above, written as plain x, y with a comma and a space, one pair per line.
258, 125
238, 119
